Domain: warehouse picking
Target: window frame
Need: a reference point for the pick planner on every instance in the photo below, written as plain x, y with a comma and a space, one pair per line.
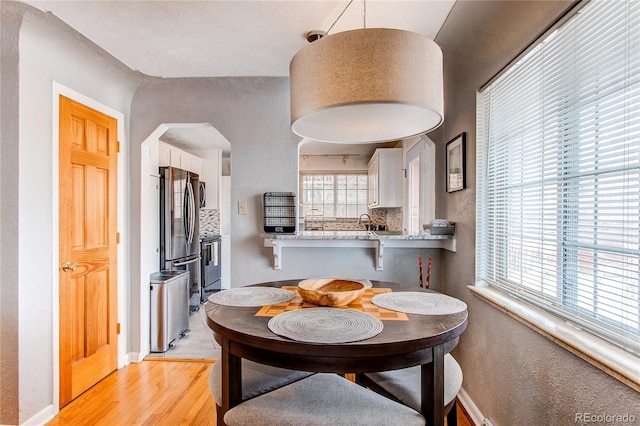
600, 329
362, 174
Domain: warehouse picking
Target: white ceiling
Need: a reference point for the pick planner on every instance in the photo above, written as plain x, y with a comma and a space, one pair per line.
195, 136
215, 38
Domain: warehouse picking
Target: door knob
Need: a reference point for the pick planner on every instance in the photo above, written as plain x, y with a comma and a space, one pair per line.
68, 266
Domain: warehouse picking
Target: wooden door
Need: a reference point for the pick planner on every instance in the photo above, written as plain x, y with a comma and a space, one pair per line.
88, 227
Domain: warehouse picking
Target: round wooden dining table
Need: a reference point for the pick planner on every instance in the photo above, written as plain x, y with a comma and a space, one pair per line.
410, 340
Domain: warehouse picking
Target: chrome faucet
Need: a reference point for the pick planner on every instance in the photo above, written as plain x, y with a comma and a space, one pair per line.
368, 226
368, 218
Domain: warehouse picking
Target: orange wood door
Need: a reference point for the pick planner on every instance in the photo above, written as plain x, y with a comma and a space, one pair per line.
88, 227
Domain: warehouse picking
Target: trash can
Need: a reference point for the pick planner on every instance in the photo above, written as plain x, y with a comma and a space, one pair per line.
169, 308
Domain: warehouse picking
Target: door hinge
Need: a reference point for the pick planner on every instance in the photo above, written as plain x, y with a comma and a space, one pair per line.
117, 238
117, 328
117, 146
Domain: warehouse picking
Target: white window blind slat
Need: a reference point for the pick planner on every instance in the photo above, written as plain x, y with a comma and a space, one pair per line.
558, 163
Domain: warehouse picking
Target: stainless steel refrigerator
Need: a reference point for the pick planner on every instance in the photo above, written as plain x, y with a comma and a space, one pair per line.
179, 225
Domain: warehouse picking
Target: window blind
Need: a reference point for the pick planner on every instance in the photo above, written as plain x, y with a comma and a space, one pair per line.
558, 163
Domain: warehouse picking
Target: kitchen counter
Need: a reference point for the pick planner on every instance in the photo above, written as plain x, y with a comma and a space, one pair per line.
354, 235
356, 239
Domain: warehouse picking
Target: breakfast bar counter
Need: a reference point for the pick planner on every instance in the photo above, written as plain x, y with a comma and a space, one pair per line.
379, 241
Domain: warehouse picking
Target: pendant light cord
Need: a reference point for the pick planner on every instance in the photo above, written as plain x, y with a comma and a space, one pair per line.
339, 16
364, 15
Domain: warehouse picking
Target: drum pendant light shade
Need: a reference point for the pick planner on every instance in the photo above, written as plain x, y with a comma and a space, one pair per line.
369, 85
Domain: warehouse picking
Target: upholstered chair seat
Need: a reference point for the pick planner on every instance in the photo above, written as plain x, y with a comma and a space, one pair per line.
404, 386
322, 399
256, 380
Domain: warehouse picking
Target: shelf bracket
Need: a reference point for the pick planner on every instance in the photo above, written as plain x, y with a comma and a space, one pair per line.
277, 255
379, 255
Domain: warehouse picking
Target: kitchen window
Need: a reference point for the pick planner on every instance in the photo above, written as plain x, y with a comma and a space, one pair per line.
558, 174
340, 195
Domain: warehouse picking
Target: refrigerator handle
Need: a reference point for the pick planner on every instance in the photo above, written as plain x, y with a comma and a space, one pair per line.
186, 262
185, 214
192, 199
189, 212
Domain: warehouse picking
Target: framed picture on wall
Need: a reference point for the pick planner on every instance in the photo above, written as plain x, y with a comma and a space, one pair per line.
456, 163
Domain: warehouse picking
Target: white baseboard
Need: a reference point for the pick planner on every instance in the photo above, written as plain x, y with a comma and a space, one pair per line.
472, 410
135, 357
41, 418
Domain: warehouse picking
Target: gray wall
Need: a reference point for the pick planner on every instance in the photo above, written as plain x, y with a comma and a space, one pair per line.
10, 24
253, 114
514, 375
37, 50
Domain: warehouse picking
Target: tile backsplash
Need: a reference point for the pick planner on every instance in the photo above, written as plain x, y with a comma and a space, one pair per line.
392, 217
209, 221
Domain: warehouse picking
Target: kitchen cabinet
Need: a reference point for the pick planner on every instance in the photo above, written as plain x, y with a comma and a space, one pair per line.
385, 178
190, 162
164, 153
169, 155
212, 175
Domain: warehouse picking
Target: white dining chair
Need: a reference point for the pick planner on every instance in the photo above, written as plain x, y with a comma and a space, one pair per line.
404, 386
323, 399
257, 379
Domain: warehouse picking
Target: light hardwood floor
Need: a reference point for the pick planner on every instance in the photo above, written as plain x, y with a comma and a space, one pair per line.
150, 393
155, 392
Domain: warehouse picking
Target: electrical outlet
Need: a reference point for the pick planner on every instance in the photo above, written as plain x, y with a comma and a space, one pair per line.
242, 207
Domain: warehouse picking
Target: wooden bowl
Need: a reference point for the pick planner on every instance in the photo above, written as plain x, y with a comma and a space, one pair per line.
330, 291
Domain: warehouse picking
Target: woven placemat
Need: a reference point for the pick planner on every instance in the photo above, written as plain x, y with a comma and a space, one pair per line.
325, 325
251, 296
420, 303
363, 304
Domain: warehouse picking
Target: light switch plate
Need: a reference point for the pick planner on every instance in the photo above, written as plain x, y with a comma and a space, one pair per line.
242, 207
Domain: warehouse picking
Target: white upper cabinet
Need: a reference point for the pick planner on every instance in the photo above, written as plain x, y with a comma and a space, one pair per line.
169, 155
385, 178
212, 175
191, 163
164, 155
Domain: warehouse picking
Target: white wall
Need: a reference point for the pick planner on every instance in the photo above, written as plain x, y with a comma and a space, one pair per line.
353, 164
149, 245
427, 182
225, 230
48, 53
